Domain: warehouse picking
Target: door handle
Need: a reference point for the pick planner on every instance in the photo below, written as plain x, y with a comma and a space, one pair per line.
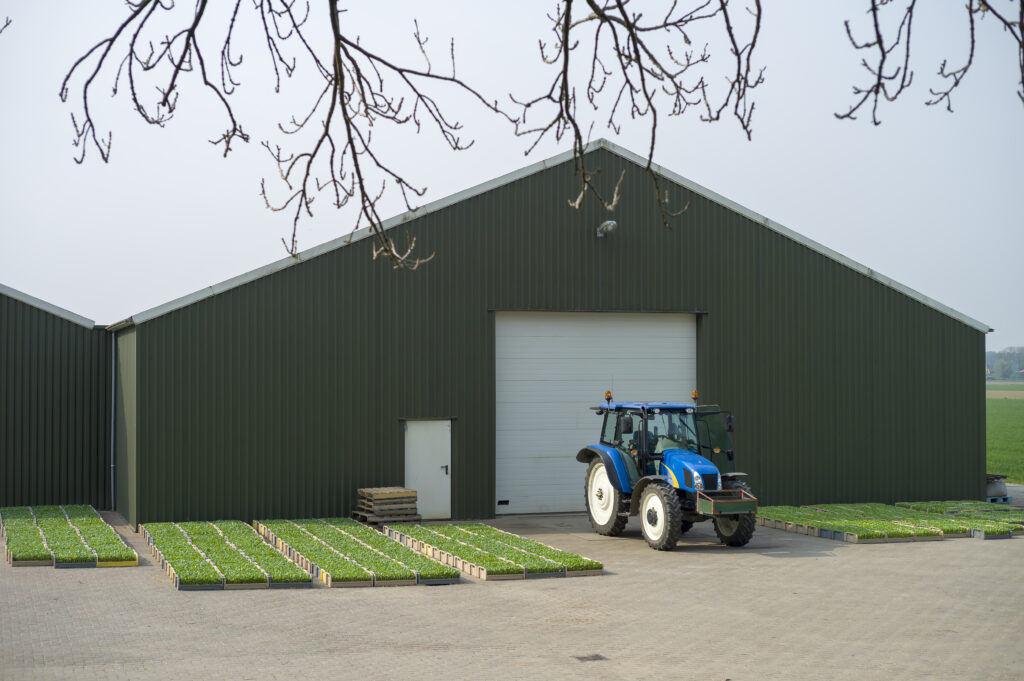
445, 467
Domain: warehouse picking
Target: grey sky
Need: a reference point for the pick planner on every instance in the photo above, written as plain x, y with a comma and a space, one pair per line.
929, 199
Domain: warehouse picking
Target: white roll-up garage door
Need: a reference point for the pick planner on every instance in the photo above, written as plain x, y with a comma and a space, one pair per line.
551, 368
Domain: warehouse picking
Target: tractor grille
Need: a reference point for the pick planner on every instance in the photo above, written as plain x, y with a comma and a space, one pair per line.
710, 481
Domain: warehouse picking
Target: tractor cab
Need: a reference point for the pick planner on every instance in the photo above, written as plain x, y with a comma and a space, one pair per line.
644, 431
672, 463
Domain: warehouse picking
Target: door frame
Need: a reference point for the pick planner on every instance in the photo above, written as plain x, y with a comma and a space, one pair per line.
404, 421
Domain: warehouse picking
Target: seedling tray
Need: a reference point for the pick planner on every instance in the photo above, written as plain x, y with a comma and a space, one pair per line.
463, 566
437, 582
290, 585
196, 587
584, 573
980, 534
86, 564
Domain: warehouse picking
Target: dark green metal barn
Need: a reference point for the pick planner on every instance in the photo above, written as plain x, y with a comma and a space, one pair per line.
278, 393
55, 369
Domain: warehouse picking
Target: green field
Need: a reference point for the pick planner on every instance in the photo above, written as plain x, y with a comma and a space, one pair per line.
1010, 385
1005, 437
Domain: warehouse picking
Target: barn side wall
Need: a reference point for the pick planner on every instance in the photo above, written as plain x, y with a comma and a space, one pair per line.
280, 397
54, 409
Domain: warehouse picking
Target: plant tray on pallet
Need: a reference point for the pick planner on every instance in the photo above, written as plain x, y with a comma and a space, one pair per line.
463, 566
25, 563
326, 580
120, 563
527, 554
585, 572
81, 564
322, 576
65, 537
196, 587
981, 534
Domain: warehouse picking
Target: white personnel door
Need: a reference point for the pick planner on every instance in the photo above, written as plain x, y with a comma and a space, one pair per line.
428, 461
551, 367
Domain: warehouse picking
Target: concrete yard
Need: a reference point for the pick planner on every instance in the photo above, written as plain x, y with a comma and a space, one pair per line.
784, 607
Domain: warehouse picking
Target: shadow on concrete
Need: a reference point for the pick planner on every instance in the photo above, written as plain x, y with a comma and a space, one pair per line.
699, 540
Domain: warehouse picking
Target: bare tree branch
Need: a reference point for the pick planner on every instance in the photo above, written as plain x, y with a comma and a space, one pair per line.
637, 64
956, 75
1015, 28
885, 84
888, 83
360, 89
632, 67
7, 22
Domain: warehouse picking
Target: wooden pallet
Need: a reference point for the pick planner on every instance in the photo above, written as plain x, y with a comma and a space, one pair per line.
373, 519
380, 493
391, 504
386, 505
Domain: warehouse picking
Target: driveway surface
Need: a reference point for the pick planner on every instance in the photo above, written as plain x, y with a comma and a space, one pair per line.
784, 607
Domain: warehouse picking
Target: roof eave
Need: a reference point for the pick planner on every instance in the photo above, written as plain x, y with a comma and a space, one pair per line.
40, 304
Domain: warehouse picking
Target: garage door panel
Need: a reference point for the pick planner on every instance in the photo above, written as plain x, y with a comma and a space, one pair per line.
526, 370
592, 393
588, 347
551, 368
557, 324
553, 443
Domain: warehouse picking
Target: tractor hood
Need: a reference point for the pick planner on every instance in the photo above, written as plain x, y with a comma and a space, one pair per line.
682, 466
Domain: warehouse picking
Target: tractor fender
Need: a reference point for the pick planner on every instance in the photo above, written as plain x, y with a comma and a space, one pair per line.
612, 459
638, 491
734, 474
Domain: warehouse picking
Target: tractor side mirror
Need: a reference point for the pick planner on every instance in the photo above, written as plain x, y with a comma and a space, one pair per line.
625, 424
730, 423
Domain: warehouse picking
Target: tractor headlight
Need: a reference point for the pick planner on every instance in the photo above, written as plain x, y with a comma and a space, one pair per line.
698, 482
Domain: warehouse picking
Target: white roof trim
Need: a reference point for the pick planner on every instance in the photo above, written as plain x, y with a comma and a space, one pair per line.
46, 307
526, 172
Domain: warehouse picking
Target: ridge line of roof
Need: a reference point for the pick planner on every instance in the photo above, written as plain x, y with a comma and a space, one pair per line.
519, 174
41, 304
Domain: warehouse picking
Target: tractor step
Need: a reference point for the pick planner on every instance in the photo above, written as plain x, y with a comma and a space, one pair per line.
726, 502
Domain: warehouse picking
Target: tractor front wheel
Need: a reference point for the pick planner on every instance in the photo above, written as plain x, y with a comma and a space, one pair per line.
604, 502
661, 516
735, 530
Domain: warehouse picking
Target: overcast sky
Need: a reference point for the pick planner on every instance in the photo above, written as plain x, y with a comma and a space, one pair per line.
930, 199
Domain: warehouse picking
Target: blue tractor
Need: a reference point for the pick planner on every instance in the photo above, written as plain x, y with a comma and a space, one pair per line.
671, 463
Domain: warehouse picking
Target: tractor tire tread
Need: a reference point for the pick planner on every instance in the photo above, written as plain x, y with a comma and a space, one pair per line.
674, 515
614, 527
746, 524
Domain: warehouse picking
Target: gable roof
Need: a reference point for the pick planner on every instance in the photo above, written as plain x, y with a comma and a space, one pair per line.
46, 307
514, 176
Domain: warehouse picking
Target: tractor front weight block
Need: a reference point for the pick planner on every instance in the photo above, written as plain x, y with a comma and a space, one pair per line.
726, 502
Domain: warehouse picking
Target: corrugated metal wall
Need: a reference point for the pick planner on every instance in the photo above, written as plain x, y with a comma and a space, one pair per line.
54, 409
282, 396
126, 425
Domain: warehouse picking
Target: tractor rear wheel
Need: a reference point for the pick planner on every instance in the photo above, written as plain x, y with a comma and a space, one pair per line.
661, 516
604, 502
735, 530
